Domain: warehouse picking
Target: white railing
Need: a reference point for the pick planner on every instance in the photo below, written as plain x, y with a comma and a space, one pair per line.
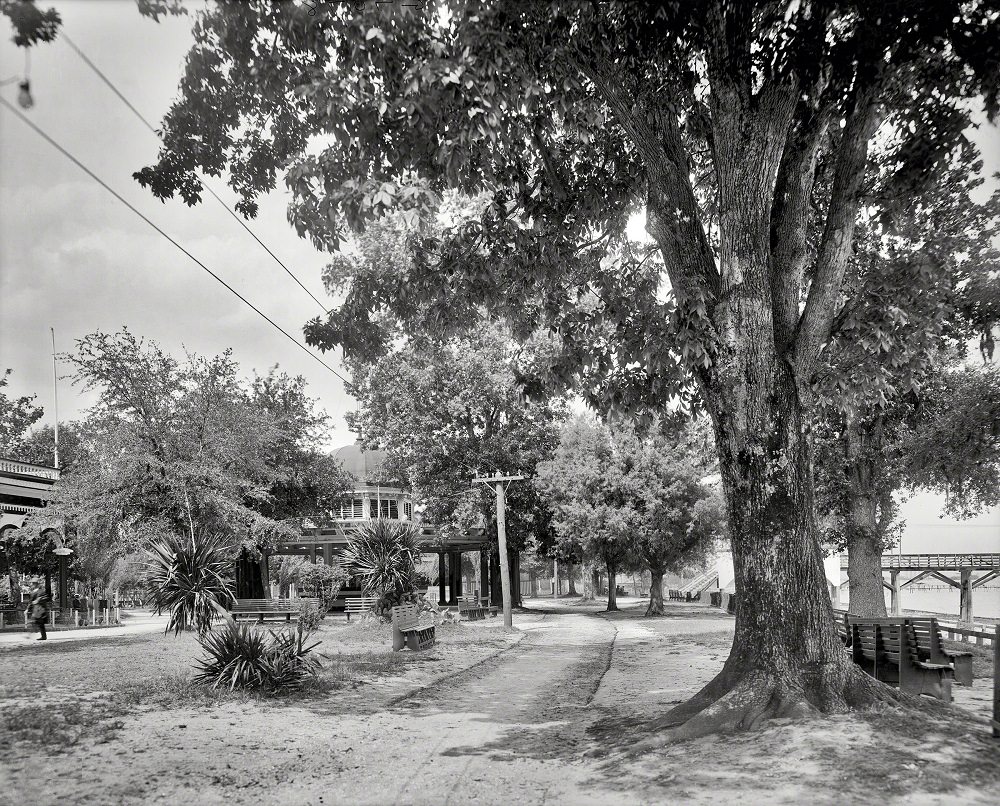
18, 509
28, 469
699, 583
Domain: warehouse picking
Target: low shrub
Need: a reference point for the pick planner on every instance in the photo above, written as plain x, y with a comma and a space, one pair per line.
242, 657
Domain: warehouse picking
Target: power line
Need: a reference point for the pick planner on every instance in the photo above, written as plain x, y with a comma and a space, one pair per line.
27, 121
204, 184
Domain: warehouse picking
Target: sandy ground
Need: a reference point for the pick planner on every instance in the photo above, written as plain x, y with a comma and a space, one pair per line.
548, 715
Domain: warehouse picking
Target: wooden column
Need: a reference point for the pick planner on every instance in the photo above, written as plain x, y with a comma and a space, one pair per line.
996, 683
894, 602
965, 592
328, 553
312, 553
455, 577
484, 574
441, 580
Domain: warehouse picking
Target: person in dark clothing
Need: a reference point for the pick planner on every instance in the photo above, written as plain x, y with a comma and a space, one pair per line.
39, 610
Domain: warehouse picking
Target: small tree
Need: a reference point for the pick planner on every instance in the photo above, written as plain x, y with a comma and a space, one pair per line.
384, 554
321, 582
188, 576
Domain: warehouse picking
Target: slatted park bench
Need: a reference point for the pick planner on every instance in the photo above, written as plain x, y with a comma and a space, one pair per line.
408, 631
261, 609
931, 649
471, 608
359, 604
887, 650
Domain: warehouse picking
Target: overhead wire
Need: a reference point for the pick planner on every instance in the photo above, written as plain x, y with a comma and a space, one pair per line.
41, 132
107, 81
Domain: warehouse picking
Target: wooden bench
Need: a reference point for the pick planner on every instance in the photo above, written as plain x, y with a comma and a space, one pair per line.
260, 609
471, 608
408, 631
674, 594
887, 650
931, 649
359, 604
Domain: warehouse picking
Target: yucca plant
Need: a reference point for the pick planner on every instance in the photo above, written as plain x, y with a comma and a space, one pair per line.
242, 657
188, 578
383, 556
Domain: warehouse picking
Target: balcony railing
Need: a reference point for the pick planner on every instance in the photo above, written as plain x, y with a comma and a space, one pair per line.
15, 467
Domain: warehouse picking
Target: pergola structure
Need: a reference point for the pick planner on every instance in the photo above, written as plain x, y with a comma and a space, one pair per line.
932, 566
328, 538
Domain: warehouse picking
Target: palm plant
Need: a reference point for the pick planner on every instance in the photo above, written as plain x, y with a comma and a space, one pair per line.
188, 578
242, 657
383, 556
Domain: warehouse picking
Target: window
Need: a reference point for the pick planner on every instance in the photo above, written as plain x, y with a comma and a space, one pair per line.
352, 508
408, 510
388, 508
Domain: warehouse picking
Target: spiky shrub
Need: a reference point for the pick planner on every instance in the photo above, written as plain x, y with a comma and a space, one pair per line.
188, 578
240, 657
383, 556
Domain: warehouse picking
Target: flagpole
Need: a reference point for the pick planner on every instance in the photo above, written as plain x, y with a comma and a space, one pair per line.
55, 397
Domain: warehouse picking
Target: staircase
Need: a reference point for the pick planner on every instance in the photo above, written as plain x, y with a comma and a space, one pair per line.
704, 580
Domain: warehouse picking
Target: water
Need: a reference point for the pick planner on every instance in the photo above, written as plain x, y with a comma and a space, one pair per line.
944, 600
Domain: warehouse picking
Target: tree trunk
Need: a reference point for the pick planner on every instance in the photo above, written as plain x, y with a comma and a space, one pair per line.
787, 659
655, 607
249, 581
597, 581
569, 577
15, 587
612, 590
864, 538
589, 588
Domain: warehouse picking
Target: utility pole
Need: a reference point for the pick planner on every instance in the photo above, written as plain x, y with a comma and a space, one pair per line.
501, 492
55, 397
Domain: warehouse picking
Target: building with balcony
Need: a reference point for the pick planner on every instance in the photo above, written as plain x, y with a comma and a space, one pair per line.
24, 488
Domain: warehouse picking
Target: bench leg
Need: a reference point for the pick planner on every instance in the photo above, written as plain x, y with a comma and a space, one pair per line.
398, 642
963, 671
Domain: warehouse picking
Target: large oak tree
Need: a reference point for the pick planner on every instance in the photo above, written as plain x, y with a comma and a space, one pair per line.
747, 130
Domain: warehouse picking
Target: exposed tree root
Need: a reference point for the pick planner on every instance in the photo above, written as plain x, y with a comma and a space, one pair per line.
745, 700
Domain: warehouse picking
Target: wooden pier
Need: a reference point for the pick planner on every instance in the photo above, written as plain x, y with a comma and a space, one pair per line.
932, 566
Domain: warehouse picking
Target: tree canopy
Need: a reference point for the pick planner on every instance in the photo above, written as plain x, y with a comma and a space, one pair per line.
757, 136
176, 445
17, 415
446, 412
623, 501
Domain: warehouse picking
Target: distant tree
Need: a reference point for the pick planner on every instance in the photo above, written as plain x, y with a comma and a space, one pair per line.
628, 501
178, 445
17, 415
955, 447
38, 445
915, 277
446, 411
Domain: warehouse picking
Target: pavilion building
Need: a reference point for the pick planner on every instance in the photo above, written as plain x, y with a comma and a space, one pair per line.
324, 538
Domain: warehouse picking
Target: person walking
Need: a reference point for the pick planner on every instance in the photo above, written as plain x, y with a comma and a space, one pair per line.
39, 610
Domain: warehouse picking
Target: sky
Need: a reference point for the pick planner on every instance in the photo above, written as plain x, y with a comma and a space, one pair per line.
74, 259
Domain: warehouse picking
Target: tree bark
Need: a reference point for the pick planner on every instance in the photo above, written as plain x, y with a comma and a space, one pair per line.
787, 659
569, 577
612, 589
655, 607
864, 538
589, 588
249, 582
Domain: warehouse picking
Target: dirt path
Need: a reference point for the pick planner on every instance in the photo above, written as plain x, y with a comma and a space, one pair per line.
549, 719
